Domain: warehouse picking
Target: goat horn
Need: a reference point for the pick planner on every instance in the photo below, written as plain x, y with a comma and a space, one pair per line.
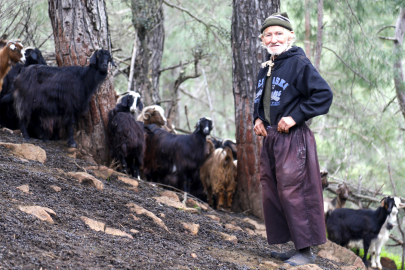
401, 205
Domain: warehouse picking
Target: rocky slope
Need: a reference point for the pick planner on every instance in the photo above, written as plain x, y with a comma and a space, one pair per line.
60, 212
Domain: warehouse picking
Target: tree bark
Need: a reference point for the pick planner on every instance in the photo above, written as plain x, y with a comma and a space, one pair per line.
398, 70
307, 29
80, 27
247, 55
147, 18
319, 39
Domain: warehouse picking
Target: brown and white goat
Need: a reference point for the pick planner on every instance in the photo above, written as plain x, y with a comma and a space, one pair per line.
339, 201
156, 115
218, 175
10, 55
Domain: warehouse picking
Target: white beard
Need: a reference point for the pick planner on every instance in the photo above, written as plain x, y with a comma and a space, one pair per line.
282, 49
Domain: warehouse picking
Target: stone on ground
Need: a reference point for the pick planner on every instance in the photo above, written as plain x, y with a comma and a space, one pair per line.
178, 205
334, 252
191, 227
56, 188
128, 181
306, 267
117, 232
141, 211
102, 172
27, 151
85, 178
213, 217
249, 231
170, 194
93, 224
24, 188
233, 227
228, 237
40, 212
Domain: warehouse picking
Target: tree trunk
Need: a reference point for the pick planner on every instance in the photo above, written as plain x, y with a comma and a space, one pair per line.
80, 27
398, 71
308, 29
247, 56
319, 38
147, 18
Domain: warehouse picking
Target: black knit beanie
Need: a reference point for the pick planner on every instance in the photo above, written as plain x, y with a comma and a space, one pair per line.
279, 19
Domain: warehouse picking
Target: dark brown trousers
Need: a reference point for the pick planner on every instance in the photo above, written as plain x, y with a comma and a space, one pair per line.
291, 188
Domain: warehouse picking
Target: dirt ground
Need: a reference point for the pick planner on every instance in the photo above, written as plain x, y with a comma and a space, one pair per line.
26, 242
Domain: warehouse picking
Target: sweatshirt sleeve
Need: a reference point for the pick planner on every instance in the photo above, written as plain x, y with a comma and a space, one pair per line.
317, 93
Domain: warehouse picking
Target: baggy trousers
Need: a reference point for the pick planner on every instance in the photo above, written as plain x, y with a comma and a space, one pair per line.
292, 188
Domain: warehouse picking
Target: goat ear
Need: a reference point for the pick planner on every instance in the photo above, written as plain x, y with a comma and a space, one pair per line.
93, 58
34, 55
124, 101
139, 104
382, 202
147, 115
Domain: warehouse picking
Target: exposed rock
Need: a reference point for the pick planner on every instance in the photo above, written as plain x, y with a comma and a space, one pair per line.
102, 172
93, 224
117, 232
74, 153
306, 267
255, 223
170, 194
194, 255
270, 263
40, 212
191, 227
233, 227
178, 205
134, 217
85, 178
228, 237
134, 231
6, 130
141, 211
162, 215
24, 188
250, 232
56, 188
349, 267
128, 181
388, 263
334, 252
27, 151
17, 131
191, 203
262, 233
213, 217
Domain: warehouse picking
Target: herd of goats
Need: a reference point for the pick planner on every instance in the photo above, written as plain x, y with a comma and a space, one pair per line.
45, 102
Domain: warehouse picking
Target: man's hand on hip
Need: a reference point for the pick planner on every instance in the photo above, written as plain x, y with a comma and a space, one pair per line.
285, 124
259, 128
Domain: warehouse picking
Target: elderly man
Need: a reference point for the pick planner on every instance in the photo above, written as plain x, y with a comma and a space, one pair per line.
289, 92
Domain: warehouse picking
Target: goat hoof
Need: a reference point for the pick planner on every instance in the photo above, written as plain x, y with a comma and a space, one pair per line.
72, 144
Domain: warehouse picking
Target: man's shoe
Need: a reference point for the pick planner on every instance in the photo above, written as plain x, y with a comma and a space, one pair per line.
300, 259
283, 255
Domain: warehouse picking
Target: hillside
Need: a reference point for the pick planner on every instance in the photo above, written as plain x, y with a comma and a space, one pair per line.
133, 227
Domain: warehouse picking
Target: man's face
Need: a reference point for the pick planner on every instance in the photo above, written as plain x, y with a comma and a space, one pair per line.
276, 39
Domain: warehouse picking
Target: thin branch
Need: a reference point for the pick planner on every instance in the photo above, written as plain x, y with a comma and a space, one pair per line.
358, 22
385, 27
388, 38
188, 122
389, 103
208, 26
354, 71
45, 40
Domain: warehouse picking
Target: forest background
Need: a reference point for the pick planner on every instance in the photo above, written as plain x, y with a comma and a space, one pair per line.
361, 139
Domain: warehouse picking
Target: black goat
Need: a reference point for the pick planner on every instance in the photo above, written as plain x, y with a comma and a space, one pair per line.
344, 225
126, 140
58, 95
176, 159
8, 115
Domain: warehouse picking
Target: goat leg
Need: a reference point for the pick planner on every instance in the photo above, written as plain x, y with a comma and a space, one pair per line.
71, 140
23, 128
366, 245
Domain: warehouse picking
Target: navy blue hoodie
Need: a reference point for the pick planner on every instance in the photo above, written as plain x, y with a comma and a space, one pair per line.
297, 89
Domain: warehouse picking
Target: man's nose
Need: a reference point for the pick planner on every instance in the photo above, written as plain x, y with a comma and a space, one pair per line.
273, 39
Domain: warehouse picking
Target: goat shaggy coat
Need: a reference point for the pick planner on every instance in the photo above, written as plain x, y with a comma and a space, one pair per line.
292, 188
